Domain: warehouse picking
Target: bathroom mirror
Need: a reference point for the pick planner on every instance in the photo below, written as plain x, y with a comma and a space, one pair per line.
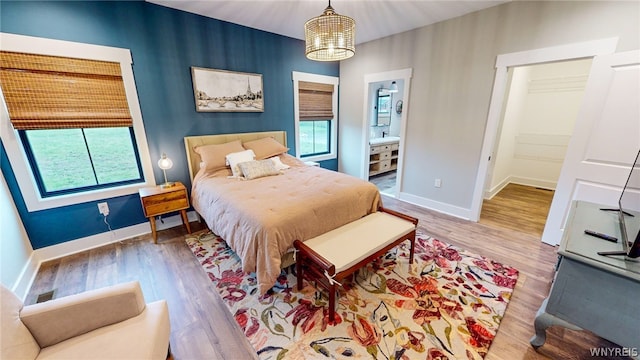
383, 108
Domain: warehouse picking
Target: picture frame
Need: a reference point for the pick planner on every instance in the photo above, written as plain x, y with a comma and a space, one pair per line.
217, 90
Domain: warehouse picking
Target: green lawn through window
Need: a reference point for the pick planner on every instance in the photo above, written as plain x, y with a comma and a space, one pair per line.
65, 163
314, 137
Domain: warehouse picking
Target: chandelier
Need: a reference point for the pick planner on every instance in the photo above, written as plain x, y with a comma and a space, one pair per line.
330, 36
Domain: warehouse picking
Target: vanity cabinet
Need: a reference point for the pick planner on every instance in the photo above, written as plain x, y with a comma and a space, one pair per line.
383, 158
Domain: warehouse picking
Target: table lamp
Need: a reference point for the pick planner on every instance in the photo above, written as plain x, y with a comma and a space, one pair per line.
165, 163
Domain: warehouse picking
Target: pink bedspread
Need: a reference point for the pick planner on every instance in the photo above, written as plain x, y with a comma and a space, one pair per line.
261, 218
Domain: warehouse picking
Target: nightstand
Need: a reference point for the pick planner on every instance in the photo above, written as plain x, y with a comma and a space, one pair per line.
158, 201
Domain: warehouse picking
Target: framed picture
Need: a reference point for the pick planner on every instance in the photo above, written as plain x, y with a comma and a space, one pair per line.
227, 91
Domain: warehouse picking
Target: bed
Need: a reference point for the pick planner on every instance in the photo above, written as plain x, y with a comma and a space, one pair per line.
260, 218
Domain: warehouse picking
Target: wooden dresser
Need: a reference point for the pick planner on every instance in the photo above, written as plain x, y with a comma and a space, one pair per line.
158, 201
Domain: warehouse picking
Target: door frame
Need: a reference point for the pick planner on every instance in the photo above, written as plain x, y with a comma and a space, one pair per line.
571, 51
401, 74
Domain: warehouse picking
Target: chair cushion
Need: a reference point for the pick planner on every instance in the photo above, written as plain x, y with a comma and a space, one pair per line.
145, 336
15, 339
60, 319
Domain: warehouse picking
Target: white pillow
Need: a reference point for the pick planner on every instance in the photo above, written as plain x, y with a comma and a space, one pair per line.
236, 158
278, 163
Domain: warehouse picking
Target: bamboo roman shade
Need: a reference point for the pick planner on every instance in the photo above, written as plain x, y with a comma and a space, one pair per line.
315, 101
50, 92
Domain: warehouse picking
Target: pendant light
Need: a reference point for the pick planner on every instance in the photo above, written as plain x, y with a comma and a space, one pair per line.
393, 88
330, 36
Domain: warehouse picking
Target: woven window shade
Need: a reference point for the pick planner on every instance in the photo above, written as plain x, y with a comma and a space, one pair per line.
49, 92
315, 101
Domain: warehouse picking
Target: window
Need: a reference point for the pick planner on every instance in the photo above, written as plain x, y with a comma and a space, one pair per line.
316, 116
75, 160
315, 137
71, 122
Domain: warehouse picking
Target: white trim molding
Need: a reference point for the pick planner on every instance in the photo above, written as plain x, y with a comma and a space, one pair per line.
42, 255
402, 74
322, 79
503, 62
13, 145
438, 206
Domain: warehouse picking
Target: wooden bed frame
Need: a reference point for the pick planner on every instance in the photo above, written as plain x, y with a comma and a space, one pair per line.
190, 142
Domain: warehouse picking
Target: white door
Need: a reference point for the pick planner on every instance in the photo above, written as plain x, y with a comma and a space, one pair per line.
605, 141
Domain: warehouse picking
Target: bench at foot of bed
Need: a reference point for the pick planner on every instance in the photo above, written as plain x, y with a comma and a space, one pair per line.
331, 257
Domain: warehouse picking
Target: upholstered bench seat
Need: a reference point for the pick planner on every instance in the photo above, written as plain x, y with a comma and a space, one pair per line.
330, 257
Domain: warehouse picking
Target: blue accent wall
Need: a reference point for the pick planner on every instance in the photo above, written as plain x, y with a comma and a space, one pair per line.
164, 44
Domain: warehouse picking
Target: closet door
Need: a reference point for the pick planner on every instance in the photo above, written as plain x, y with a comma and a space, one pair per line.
605, 141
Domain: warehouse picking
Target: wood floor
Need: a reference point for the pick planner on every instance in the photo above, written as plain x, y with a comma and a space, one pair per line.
202, 328
518, 207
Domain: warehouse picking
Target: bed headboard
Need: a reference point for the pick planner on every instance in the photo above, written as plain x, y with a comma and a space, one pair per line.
190, 142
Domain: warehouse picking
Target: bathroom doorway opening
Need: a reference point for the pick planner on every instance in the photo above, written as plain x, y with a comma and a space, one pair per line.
384, 127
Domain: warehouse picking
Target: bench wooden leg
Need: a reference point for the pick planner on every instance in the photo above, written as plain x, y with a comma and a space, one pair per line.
299, 271
413, 243
332, 303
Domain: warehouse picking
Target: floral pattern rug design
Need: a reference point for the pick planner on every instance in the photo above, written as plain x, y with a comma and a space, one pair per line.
447, 305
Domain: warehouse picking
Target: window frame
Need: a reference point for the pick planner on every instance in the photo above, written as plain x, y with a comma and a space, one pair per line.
324, 79
40, 181
13, 144
317, 154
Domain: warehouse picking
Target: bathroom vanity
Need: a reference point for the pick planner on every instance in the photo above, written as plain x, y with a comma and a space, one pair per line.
383, 154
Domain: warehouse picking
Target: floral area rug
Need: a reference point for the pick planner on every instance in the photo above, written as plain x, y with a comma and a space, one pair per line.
447, 305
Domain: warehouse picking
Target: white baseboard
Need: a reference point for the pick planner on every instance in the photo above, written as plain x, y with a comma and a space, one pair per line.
448, 209
26, 278
538, 183
488, 195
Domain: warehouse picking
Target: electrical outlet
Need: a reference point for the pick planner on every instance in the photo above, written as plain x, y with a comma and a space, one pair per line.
103, 207
437, 183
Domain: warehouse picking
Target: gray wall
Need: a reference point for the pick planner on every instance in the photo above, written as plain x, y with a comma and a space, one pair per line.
453, 73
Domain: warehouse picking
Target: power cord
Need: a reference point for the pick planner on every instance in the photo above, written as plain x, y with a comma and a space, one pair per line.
107, 223
113, 233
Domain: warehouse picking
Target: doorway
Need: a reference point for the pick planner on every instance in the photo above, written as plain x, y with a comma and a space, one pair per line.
581, 50
384, 134
384, 124
541, 106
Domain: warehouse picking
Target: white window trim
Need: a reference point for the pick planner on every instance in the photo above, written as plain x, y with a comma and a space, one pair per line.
323, 79
13, 145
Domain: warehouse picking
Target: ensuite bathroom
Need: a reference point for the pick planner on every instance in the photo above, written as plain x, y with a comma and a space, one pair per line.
385, 104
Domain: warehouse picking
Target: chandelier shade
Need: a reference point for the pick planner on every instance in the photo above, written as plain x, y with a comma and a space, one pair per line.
330, 36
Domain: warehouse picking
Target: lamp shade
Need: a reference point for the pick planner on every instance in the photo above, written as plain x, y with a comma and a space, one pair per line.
165, 163
393, 88
330, 36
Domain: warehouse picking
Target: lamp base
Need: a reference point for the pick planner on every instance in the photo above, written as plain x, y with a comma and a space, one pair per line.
167, 185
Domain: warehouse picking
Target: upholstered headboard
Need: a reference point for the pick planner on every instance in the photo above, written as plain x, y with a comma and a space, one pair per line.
192, 141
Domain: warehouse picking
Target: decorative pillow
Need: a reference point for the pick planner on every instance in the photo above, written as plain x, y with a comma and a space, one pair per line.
265, 147
258, 168
278, 163
214, 156
235, 158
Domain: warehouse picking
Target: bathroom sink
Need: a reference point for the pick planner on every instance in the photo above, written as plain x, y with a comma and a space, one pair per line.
384, 140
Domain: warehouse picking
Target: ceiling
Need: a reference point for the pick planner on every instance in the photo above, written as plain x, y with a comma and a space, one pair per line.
375, 19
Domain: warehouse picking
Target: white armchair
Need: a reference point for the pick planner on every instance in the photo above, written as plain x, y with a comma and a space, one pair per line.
108, 323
